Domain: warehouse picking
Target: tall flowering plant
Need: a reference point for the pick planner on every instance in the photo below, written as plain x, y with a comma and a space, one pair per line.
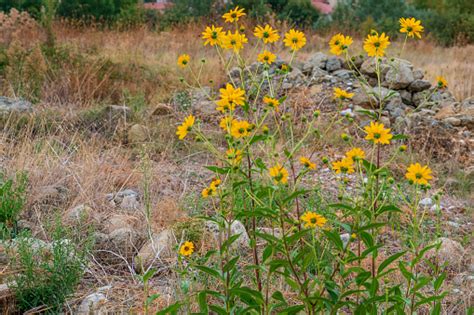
312, 251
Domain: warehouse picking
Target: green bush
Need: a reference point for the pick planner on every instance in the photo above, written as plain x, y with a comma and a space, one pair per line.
48, 273
12, 200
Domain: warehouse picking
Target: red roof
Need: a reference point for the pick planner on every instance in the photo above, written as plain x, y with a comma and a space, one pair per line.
322, 6
156, 6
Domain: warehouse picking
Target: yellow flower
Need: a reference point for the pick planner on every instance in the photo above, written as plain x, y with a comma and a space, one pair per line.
345, 166
294, 39
279, 174
353, 236
186, 249
230, 97
418, 174
375, 45
208, 192
307, 163
356, 154
233, 15
234, 156
267, 34
284, 67
441, 82
411, 26
185, 127
216, 182
313, 220
266, 57
341, 94
272, 102
339, 43
234, 41
240, 129
183, 60
377, 133
213, 35
226, 122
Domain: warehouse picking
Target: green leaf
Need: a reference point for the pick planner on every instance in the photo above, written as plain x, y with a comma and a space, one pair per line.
439, 281
341, 206
151, 298
387, 208
257, 138
213, 273
335, 238
218, 309
389, 260
407, 274
228, 242
230, 264
256, 295
218, 170
202, 299
172, 309
369, 113
292, 310
294, 195
148, 275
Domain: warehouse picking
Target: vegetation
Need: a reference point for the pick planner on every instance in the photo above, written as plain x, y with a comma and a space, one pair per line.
329, 250
12, 200
48, 273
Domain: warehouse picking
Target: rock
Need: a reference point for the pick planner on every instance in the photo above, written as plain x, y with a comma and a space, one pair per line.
419, 85
426, 202
345, 238
93, 304
78, 214
347, 113
369, 97
236, 228
333, 64
421, 98
317, 60
138, 134
296, 77
450, 253
418, 74
124, 240
53, 195
317, 76
126, 199
453, 121
406, 97
161, 110
114, 113
400, 75
205, 108
157, 251
120, 221
356, 61
8, 105
344, 74
369, 67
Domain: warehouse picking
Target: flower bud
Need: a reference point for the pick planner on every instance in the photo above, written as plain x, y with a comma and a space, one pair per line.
402, 148
345, 137
316, 113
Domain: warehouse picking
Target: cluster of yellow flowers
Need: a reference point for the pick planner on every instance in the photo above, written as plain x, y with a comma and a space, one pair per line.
230, 97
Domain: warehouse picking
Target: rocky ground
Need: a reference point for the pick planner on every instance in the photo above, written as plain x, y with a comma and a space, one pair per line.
440, 126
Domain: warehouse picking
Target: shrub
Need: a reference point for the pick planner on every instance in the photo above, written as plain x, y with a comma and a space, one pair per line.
12, 200
314, 247
48, 273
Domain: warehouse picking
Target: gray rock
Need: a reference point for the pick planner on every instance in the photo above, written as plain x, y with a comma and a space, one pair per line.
426, 202
370, 97
127, 200
124, 240
450, 253
400, 75
369, 67
347, 113
236, 228
418, 74
419, 85
344, 74
138, 134
157, 251
345, 238
8, 105
317, 60
296, 77
406, 97
93, 304
119, 221
333, 64
80, 213
453, 121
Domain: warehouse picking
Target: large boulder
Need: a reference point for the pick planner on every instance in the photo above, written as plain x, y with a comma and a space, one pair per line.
8, 105
333, 64
236, 227
138, 134
369, 97
369, 67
